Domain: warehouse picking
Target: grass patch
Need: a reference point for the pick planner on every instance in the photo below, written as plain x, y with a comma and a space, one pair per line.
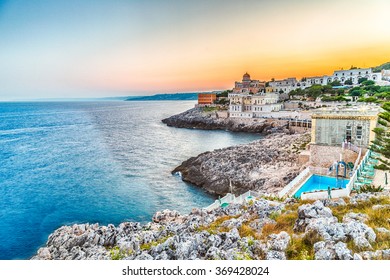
118, 254
272, 198
243, 256
382, 241
302, 248
377, 218
148, 246
246, 231
209, 109
284, 222
215, 226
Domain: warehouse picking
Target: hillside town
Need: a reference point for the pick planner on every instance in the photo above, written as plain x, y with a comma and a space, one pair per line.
256, 99
341, 113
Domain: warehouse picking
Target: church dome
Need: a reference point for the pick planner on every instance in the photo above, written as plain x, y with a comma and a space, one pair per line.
246, 77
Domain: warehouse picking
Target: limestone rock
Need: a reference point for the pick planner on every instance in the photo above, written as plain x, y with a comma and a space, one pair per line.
355, 217
266, 165
275, 255
308, 212
329, 250
278, 242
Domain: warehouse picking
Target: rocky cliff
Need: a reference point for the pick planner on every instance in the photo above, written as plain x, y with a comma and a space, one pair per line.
266, 165
356, 228
199, 119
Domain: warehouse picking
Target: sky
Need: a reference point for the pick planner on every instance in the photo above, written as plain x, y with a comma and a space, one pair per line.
67, 49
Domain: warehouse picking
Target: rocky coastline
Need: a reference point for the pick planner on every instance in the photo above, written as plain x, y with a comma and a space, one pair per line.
265, 165
343, 229
264, 228
198, 119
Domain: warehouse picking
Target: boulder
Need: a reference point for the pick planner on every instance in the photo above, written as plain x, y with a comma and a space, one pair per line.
278, 242
309, 212
330, 250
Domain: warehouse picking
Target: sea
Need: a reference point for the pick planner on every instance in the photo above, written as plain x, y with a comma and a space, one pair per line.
100, 162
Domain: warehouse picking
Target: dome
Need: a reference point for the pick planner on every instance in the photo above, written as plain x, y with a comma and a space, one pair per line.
246, 77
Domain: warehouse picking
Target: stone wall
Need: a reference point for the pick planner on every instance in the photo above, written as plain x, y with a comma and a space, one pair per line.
325, 156
333, 131
222, 114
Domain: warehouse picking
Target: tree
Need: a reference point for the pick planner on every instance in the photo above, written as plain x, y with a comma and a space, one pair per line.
348, 82
314, 91
368, 83
335, 83
361, 80
357, 92
381, 144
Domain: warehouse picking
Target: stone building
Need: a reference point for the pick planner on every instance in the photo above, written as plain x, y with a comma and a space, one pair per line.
248, 86
333, 126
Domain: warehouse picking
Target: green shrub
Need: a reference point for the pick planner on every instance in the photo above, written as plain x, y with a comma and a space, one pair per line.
370, 188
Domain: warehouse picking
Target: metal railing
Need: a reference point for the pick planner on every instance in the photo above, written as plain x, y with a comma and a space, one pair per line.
354, 177
231, 198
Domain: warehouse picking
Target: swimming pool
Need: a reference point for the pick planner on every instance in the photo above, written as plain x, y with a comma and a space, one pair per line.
321, 183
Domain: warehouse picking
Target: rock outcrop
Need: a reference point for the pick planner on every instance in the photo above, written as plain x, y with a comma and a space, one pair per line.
266, 165
260, 229
170, 236
197, 118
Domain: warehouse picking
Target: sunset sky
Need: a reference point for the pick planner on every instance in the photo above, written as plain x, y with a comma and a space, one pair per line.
113, 48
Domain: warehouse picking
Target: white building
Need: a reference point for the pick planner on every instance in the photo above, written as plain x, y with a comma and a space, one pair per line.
342, 76
386, 75
284, 86
252, 106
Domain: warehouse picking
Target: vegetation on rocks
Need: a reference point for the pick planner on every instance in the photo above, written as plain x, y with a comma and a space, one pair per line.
355, 228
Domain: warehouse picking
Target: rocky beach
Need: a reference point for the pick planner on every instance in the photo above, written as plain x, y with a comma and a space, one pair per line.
342, 229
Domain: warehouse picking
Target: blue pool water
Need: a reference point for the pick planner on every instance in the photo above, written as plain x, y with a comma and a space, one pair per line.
318, 182
105, 162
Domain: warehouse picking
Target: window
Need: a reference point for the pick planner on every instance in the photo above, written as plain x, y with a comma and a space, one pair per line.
359, 131
348, 134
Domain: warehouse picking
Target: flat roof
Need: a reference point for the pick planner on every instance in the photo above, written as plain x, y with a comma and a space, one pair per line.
343, 112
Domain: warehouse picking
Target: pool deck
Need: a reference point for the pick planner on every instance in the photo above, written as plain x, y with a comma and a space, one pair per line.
379, 179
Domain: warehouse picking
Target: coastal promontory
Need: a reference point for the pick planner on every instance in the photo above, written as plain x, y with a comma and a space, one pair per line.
265, 165
202, 118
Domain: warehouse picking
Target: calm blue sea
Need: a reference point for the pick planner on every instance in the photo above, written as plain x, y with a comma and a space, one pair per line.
105, 162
